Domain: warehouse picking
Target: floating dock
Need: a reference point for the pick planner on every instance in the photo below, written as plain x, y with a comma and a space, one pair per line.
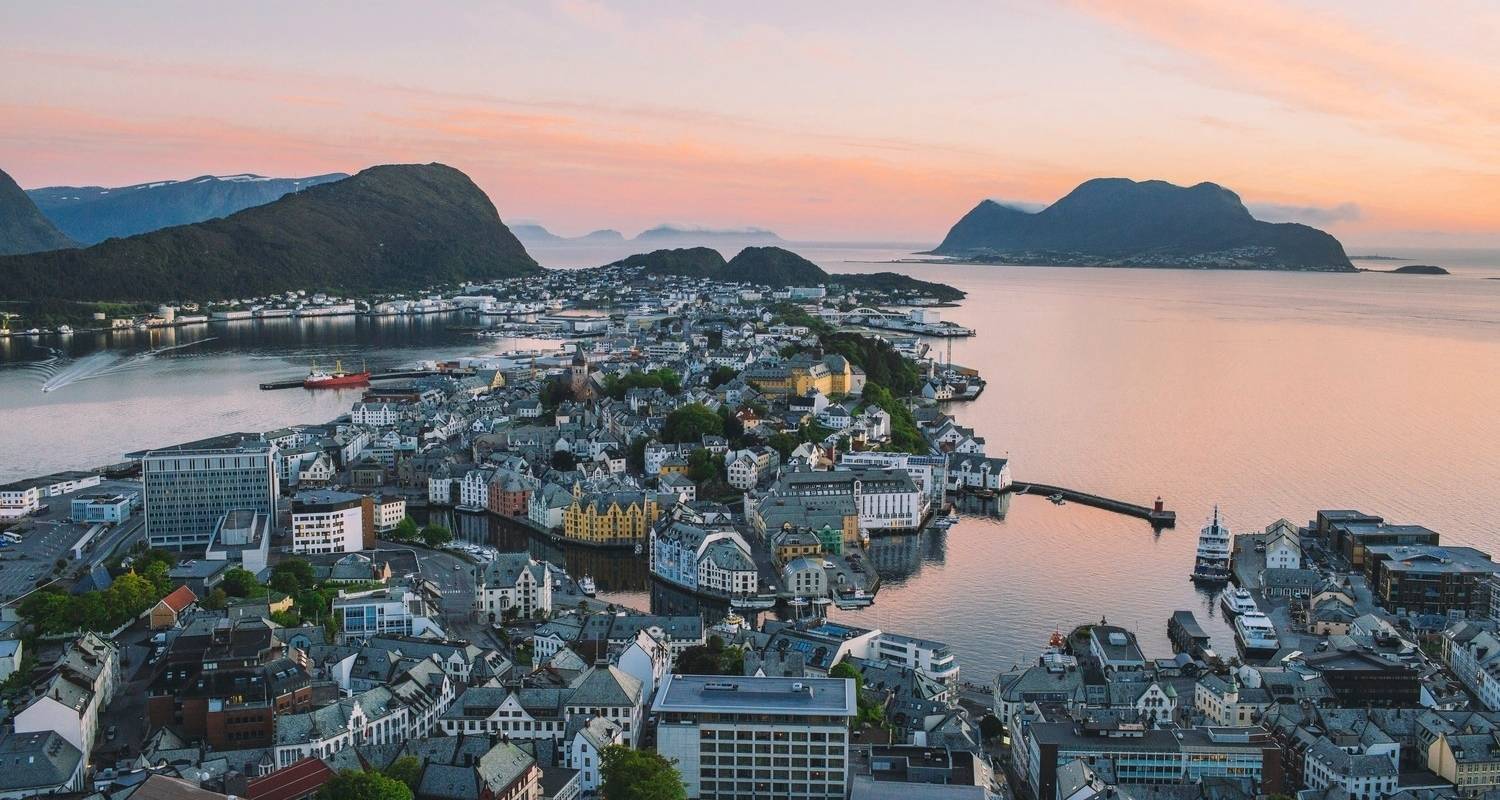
1158, 517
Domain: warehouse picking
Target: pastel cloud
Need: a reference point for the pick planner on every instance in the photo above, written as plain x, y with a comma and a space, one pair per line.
827, 121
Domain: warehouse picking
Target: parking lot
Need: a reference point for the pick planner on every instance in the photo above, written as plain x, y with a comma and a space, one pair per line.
50, 536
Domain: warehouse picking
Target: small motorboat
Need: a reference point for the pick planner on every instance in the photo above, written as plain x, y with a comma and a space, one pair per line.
586, 585
1057, 499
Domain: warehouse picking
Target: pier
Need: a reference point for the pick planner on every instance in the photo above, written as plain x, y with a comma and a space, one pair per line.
1157, 516
296, 383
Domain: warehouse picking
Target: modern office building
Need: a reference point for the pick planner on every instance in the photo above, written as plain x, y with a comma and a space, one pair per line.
325, 521
757, 737
188, 488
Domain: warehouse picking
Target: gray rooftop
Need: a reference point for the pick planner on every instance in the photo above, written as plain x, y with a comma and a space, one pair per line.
817, 697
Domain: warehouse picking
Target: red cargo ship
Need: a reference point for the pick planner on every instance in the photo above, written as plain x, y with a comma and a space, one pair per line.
318, 379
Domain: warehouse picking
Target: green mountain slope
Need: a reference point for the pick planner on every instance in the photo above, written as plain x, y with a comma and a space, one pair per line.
389, 228
23, 228
91, 214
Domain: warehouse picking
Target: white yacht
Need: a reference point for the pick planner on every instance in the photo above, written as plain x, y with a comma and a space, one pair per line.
1212, 564
586, 585
1236, 602
1256, 635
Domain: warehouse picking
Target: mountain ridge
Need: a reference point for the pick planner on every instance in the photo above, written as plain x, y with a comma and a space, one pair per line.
91, 214
1121, 222
388, 228
23, 226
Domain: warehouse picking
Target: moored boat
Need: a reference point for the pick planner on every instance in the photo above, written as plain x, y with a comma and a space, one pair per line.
318, 379
1212, 562
586, 585
1236, 602
1256, 636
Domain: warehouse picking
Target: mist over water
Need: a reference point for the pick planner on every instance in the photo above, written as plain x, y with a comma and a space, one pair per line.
1270, 394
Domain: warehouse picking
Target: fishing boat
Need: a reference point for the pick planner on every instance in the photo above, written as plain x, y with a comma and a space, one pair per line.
1057, 499
1212, 563
1236, 602
318, 379
586, 585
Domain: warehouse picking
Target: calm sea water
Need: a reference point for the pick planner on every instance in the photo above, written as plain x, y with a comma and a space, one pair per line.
1269, 394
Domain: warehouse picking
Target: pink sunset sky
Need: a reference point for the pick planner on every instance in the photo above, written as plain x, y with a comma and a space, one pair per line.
1379, 121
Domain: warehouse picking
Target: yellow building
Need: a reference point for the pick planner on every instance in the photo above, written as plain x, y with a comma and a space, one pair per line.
611, 518
830, 375
790, 543
1469, 761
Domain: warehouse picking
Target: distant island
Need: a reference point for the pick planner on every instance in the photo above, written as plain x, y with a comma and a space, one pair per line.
1376, 258
779, 268
1415, 269
387, 229
91, 214
1117, 222
683, 232
533, 234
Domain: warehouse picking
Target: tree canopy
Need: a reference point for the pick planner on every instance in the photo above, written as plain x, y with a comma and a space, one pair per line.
639, 775
353, 785
691, 423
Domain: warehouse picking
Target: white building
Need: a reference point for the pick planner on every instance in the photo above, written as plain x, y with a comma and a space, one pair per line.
713, 560
797, 729
19, 500
928, 472
372, 717
974, 471
1364, 771
1283, 546
474, 490
584, 751
328, 522
381, 415
544, 713
392, 610
933, 659
646, 659
512, 581
389, 511
80, 689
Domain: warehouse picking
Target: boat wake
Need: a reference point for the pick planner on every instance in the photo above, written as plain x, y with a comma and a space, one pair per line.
101, 364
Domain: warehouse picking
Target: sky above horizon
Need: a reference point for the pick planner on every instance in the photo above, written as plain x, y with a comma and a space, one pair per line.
1378, 121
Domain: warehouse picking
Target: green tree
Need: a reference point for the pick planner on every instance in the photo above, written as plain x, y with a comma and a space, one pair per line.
691, 423
870, 712
721, 375
563, 460
639, 775
405, 531
990, 727
242, 583
216, 600
407, 769
703, 465
286, 619
352, 785
293, 576
436, 536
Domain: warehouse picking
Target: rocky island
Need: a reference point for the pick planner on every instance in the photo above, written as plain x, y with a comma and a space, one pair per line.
1117, 222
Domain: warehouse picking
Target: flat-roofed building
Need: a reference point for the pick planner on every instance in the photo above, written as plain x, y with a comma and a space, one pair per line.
1427, 579
328, 522
757, 736
187, 489
103, 507
243, 537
